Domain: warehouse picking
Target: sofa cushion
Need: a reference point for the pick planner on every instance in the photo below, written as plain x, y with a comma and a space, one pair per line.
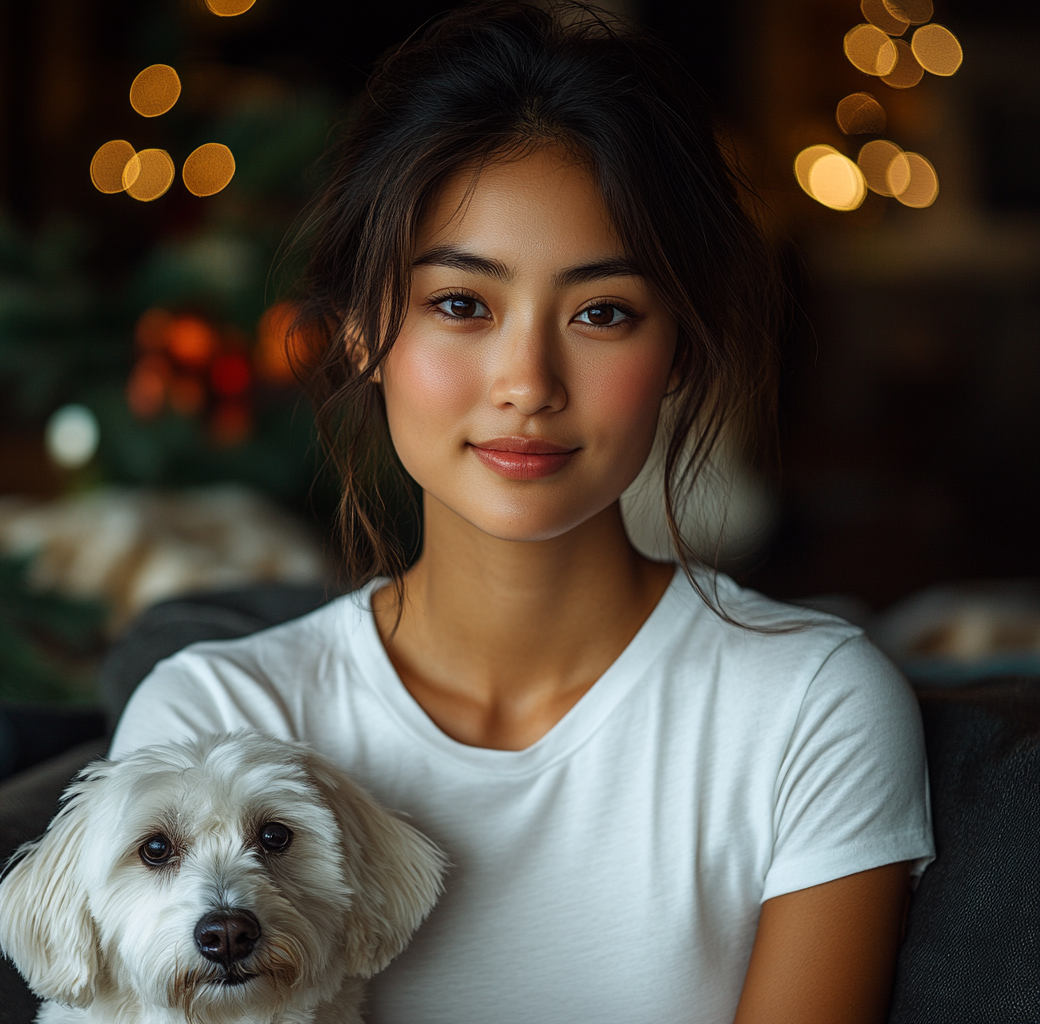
971, 954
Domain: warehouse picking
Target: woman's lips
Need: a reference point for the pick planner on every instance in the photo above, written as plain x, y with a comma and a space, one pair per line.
523, 458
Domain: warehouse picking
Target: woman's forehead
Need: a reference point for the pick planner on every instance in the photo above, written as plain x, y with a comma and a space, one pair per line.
543, 206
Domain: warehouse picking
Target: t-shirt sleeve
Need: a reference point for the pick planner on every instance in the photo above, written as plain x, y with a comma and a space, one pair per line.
200, 690
852, 790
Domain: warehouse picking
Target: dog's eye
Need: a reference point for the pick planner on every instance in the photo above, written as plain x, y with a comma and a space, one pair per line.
275, 837
156, 850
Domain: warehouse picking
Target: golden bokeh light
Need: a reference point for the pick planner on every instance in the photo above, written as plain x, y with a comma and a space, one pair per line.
155, 90
835, 181
937, 50
907, 72
874, 160
897, 175
870, 50
208, 169
861, 114
106, 169
804, 161
878, 14
913, 180
148, 174
917, 12
229, 8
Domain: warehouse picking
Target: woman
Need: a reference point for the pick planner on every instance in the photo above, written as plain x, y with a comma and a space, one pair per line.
665, 798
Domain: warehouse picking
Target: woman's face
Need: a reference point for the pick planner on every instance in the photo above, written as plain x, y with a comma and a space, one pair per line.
524, 389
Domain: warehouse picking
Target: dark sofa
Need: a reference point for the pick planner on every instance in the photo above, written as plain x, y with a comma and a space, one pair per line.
971, 954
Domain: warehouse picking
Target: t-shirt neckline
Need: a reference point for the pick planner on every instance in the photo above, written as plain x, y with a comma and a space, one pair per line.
570, 732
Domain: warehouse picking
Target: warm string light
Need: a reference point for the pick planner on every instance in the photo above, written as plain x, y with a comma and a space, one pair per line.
155, 90
148, 174
109, 165
906, 72
861, 114
229, 8
208, 169
916, 12
836, 181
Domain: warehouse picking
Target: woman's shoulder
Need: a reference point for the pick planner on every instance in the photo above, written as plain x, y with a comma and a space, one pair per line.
256, 681
711, 610
767, 653
281, 653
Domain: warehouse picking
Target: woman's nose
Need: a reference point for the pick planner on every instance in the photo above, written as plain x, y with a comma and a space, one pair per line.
527, 374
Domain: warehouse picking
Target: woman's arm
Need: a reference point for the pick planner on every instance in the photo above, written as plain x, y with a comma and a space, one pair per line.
826, 954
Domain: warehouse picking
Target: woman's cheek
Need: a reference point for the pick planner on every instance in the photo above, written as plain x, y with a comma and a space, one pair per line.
429, 389
627, 391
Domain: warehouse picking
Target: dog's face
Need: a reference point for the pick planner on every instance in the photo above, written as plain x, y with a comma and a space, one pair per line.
229, 876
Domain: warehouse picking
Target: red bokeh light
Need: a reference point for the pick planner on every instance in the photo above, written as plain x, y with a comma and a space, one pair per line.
230, 375
146, 388
278, 348
192, 341
187, 395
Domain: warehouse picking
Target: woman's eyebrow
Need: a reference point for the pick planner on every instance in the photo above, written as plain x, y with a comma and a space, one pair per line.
459, 259
618, 266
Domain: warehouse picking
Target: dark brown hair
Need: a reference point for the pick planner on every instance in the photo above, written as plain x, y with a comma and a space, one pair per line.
493, 79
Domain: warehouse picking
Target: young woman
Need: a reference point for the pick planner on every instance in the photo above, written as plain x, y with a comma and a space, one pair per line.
664, 798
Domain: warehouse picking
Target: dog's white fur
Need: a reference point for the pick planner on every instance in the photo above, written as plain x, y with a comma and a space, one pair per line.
105, 939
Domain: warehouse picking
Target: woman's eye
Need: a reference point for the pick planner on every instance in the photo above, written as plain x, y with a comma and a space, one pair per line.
602, 316
155, 851
462, 307
275, 836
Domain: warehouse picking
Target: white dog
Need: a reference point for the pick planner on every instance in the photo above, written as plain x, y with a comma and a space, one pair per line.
233, 880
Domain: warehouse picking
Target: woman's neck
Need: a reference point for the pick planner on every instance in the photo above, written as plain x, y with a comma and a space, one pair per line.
498, 639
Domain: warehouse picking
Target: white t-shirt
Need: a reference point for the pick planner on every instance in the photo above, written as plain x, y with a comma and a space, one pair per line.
611, 873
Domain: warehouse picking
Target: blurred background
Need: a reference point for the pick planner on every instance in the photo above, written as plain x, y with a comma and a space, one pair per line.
153, 441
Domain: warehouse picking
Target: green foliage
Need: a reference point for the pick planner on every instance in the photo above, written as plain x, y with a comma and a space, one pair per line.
56, 335
45, 640
67, 321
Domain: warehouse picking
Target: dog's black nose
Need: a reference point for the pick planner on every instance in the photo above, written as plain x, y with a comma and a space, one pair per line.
227, 935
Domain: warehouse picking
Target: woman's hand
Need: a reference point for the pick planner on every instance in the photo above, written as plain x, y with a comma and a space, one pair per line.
826, 955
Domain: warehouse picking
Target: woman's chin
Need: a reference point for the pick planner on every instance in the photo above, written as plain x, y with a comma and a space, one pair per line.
535, 522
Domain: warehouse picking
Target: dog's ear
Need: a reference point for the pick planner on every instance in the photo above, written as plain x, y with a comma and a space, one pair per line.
45, 925
393, 869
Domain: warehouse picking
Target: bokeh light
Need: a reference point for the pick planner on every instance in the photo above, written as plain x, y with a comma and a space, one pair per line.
913, 180
870, 50
804, 161
874, 160
860, 114
229, 8
835, 181
271, 356
897, 174
186, 395
148, 174
907, 72
146, 388
937, 50
150, 330
191, 340
71, 436
155, 90
878, 14
917, 12
230, 374
106, 169
208, 169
